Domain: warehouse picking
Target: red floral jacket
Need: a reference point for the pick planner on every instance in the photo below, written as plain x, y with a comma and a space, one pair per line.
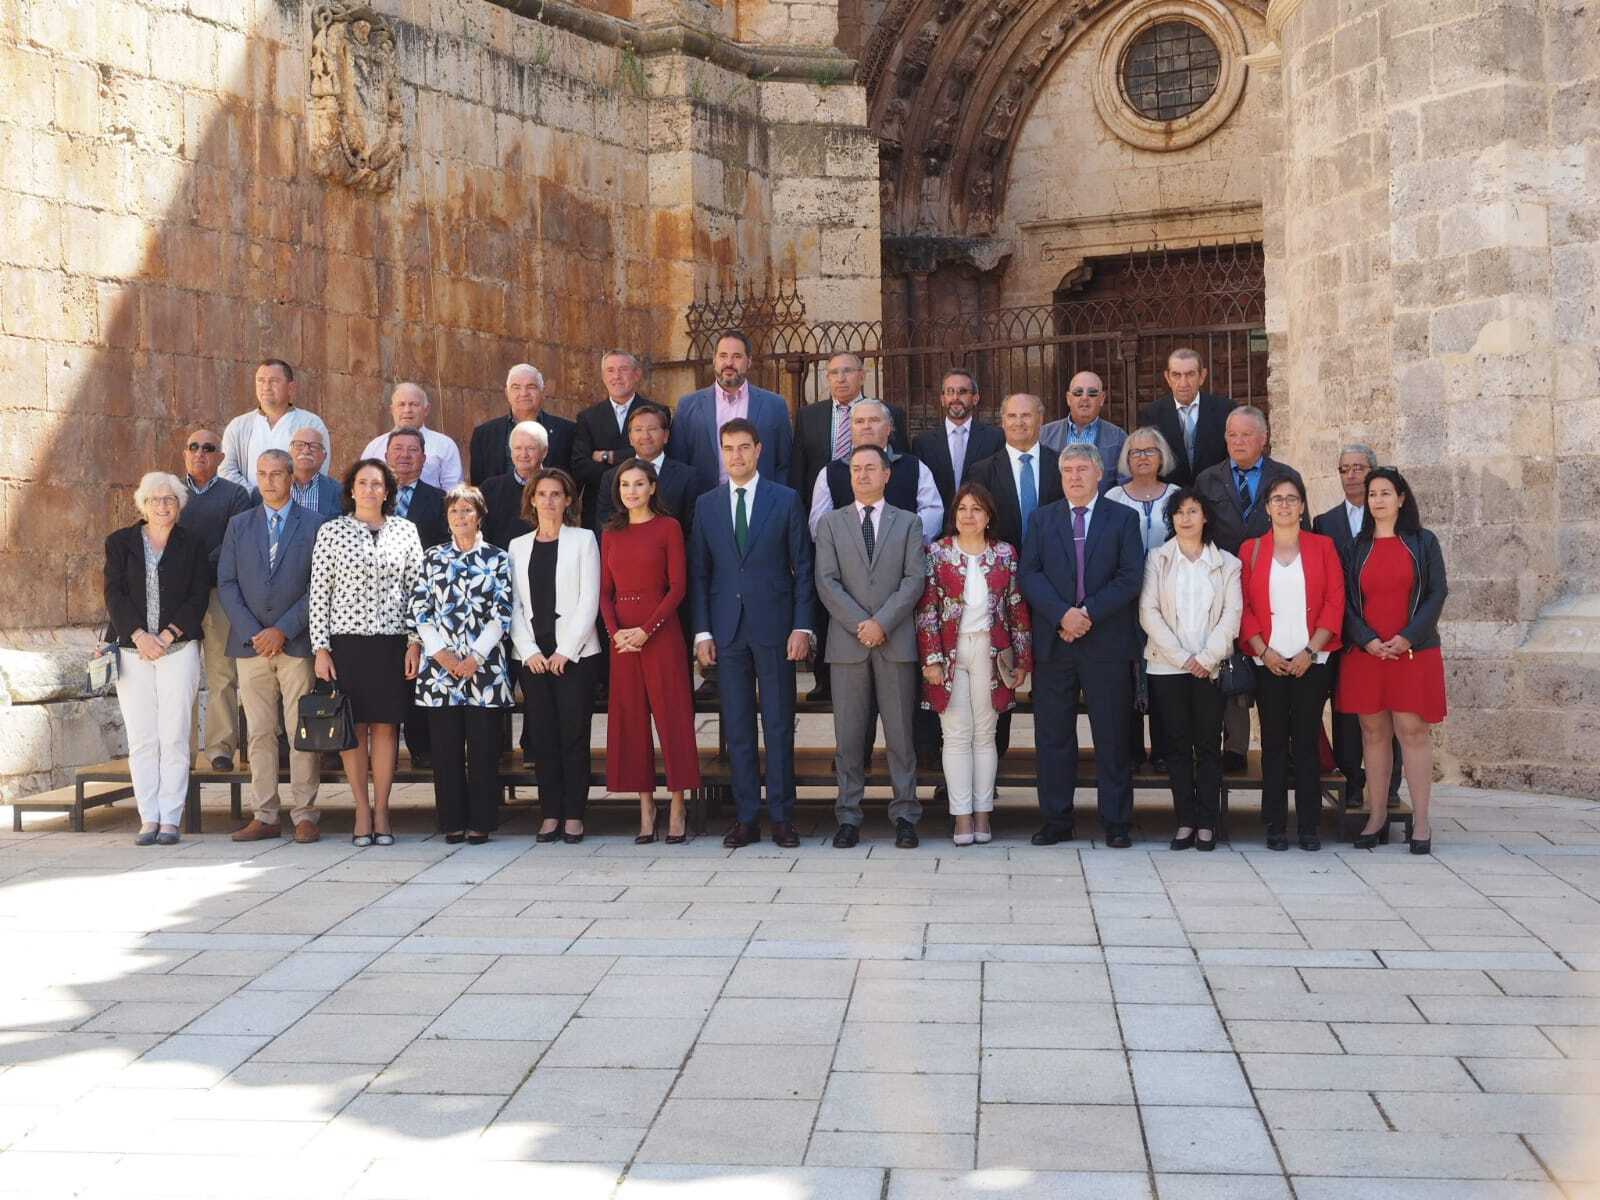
939, 618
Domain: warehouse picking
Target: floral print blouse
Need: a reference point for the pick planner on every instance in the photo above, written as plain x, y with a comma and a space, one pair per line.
462, 603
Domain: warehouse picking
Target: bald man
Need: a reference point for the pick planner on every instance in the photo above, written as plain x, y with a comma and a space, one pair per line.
1086, 396
408, 407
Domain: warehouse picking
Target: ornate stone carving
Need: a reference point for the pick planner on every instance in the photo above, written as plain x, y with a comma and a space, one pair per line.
980, 204
354, 127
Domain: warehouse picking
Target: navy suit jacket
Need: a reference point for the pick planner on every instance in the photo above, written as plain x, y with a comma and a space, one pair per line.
1113, 574
694, 440
490, 448
933, 448
426, 512
765, 593
257, 596
813, 441
330, 501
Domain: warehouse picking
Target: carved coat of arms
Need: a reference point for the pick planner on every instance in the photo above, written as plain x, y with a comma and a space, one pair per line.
355, 130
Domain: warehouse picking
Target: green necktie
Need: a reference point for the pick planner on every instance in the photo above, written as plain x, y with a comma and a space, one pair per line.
741, 523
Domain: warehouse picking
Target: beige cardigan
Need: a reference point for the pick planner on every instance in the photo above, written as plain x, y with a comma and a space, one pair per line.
1158, 607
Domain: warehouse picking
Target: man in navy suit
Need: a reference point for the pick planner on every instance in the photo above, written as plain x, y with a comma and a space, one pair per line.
649, 426
263, 575
1086, 396
599, 441
962, 441
822, 431
750, 585
490, 448
1082, 569
697, 427
1193, 421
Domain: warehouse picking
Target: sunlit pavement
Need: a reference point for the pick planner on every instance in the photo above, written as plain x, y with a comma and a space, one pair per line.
1000, 1021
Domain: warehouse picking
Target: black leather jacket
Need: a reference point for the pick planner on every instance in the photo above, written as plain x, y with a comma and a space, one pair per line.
1428, 591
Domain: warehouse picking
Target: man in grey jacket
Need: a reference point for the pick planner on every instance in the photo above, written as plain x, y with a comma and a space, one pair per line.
869, 575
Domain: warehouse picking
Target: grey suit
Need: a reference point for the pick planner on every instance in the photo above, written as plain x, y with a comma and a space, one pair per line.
885, 589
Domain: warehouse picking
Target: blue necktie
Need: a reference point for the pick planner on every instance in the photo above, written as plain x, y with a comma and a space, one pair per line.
1246, 500
1027, 492
402, 500
274, 524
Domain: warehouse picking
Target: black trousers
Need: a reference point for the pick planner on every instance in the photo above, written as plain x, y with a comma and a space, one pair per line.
1290, 711
559, 710
1191, 722
1348, 751
1108, 695
466, 760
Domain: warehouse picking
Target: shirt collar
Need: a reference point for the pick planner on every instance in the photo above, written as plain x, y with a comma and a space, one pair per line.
1088, 431
1017, 454
657, 462
850, 403
737, 397
1250, 470
1354, 510
287, 505
951, 426
749, 486
877, 507
1089, 507
195, 490
1189, 407
623, 407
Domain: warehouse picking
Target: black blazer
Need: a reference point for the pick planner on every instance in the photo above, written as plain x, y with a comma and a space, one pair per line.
184, 576
491, 445
994, 473
675, 489
1333, 524
813, 443
1210, 433
933, 448
1428, 591
427, 514
1232, 530
596, 429
502, 495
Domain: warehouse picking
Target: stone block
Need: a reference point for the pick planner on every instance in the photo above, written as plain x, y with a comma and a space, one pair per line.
1470, 122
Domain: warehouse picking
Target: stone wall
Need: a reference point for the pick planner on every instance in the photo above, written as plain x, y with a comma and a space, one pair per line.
1433, 219
1077, 189
570, 182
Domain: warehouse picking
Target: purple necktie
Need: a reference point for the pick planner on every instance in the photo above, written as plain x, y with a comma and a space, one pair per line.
1079, 534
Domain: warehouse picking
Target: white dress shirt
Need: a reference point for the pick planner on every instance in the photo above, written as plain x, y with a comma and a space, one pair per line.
930, 505
621, 413
1356, 515
442, 465
248, 435
1188, 421
1016, 469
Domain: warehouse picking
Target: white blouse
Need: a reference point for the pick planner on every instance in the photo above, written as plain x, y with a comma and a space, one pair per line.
361, 582
1286, 588
974, 596
1195, 594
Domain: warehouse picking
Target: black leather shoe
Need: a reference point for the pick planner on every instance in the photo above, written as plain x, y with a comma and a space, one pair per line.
739, 835
783, 834
846, 836
1310, 841
1276, 840
421, 762
1050, 835
821, 694
1232, 760
1182, 843
1205, 843
905, 836
1118, 839
553, 835
222, 763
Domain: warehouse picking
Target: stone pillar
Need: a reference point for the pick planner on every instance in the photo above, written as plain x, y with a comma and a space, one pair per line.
1438, 260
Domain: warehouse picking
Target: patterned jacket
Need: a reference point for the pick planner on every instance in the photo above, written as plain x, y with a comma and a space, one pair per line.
462, 603
939, 618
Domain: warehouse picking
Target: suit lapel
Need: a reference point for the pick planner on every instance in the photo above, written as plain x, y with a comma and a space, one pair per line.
1098, 520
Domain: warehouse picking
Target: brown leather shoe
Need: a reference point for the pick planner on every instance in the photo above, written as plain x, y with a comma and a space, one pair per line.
306, 832
741, 835
783, 834
257, 832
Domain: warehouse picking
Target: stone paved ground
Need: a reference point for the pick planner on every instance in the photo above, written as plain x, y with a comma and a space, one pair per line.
605, 1021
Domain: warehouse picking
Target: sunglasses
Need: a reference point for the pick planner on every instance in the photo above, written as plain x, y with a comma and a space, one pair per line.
1090, 392
202, 448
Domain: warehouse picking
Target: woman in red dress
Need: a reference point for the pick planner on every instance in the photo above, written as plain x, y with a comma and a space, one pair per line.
1393, 673
643, 580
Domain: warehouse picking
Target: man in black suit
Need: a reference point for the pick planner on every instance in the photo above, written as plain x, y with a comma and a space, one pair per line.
600, 441
1023, 476
502, 494
649, 426
490, 448
423, 505
822, 431
1192, 421
1237, 488
1342, 523
963, 441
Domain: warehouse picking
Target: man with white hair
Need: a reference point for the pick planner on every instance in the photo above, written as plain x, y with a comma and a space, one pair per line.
600, 441
528, 448
408, 406
489, 450
911, 486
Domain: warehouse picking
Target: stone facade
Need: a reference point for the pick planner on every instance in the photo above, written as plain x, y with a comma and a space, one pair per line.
1433, 221
572, 176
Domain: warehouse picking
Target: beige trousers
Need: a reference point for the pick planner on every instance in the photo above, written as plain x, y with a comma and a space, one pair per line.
222, 688
269, 686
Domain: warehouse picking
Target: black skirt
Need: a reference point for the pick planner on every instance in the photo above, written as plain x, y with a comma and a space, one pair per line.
372, 672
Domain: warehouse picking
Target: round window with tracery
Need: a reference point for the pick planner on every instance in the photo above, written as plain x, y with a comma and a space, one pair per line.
1170, 70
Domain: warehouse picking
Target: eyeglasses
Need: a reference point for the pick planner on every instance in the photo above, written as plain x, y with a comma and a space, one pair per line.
843, 372
1285, 501
1090, 392
161, 501
1355, 469
1145, 452
317, 446
959, 392
202, 448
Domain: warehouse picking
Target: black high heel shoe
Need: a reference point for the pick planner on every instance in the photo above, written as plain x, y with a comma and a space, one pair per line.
1182, 843
1368, 841
454, 839
1209, 843
1422, 845
553, 835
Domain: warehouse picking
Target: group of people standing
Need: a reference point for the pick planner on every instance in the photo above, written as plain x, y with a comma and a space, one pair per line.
604, 556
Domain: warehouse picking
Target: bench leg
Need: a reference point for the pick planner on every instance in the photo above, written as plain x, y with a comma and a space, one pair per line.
235, 800
697, 811
77, 808
191, 807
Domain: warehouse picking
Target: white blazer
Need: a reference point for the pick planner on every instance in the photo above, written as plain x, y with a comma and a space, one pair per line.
577, 594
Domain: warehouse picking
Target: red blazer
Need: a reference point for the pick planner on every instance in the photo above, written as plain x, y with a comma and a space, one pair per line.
1324, 587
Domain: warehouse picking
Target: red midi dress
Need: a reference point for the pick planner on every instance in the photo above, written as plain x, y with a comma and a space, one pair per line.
643, 579
1412, 683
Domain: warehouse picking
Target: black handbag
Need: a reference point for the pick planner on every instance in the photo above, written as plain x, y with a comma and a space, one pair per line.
324, 722
1237, 675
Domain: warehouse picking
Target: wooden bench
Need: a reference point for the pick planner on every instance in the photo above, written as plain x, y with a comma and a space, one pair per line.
77, 799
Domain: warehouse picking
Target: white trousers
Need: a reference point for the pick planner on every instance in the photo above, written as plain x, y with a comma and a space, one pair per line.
968, 723
157, 700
